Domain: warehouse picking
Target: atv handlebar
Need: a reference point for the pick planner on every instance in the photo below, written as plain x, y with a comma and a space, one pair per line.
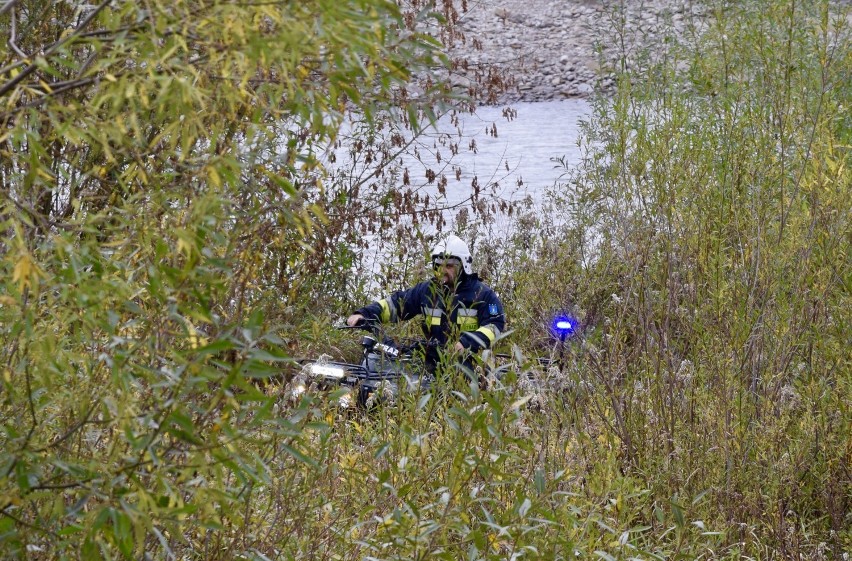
363, 323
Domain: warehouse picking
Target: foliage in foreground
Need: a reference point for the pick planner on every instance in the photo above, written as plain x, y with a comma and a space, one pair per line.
160, 189
707, 252
703, 413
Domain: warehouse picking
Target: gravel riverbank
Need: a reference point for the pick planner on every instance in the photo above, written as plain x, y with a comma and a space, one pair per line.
550, 47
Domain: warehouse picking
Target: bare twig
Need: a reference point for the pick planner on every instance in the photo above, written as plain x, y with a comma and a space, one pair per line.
12, 38
8, 6
70, 432
5, 88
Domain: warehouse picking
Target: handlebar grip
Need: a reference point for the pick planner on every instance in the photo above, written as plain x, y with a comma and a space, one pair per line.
363, 323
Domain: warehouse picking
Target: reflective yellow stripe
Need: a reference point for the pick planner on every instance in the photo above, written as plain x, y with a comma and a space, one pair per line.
488, 332
385, 317
467, 323
434, 315
468, 319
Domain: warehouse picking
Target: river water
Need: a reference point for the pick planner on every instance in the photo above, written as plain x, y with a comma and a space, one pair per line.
518, 160
512, 165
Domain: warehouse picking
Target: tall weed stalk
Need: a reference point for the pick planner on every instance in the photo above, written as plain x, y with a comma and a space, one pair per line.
714, 201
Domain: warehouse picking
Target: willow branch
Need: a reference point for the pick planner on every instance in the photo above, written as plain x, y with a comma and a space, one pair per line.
55, 47
8, 6
13, 38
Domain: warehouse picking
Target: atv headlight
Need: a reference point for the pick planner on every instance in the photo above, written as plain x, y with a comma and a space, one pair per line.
297, 390
326, 371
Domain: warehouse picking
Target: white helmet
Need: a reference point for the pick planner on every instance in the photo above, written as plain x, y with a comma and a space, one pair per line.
453, 246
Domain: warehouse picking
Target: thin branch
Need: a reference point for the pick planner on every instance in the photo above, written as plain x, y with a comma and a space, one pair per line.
6, 511
8, 6
78, 425
33, 416
35, 216
53, 48
12, 38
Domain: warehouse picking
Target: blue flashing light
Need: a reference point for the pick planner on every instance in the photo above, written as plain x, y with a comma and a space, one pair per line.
564, 326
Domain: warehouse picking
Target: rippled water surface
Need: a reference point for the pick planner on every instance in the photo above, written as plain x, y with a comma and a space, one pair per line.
522, 151
526, 144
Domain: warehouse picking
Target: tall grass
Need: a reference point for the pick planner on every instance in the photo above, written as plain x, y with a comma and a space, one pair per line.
702, 412
709, 259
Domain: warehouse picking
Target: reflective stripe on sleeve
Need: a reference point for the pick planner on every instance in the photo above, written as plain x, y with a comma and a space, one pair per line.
490, 331
494, 329
477, 336
389, 313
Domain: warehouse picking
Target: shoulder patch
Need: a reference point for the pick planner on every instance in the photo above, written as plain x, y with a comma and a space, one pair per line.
493, 310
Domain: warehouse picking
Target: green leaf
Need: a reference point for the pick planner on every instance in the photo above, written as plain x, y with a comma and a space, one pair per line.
677, 513
298, 455
214, 348
539, 481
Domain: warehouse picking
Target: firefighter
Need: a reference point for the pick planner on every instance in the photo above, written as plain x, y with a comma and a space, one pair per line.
459, 312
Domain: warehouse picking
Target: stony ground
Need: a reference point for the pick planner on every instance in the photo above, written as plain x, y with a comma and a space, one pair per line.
550, 47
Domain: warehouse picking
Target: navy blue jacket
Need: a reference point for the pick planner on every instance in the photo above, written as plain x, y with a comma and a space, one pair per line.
472, 314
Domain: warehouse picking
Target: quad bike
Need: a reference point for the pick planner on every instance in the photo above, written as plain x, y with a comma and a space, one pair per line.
387, 369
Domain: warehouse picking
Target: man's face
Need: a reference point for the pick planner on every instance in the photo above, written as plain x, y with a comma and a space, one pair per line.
447, 270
